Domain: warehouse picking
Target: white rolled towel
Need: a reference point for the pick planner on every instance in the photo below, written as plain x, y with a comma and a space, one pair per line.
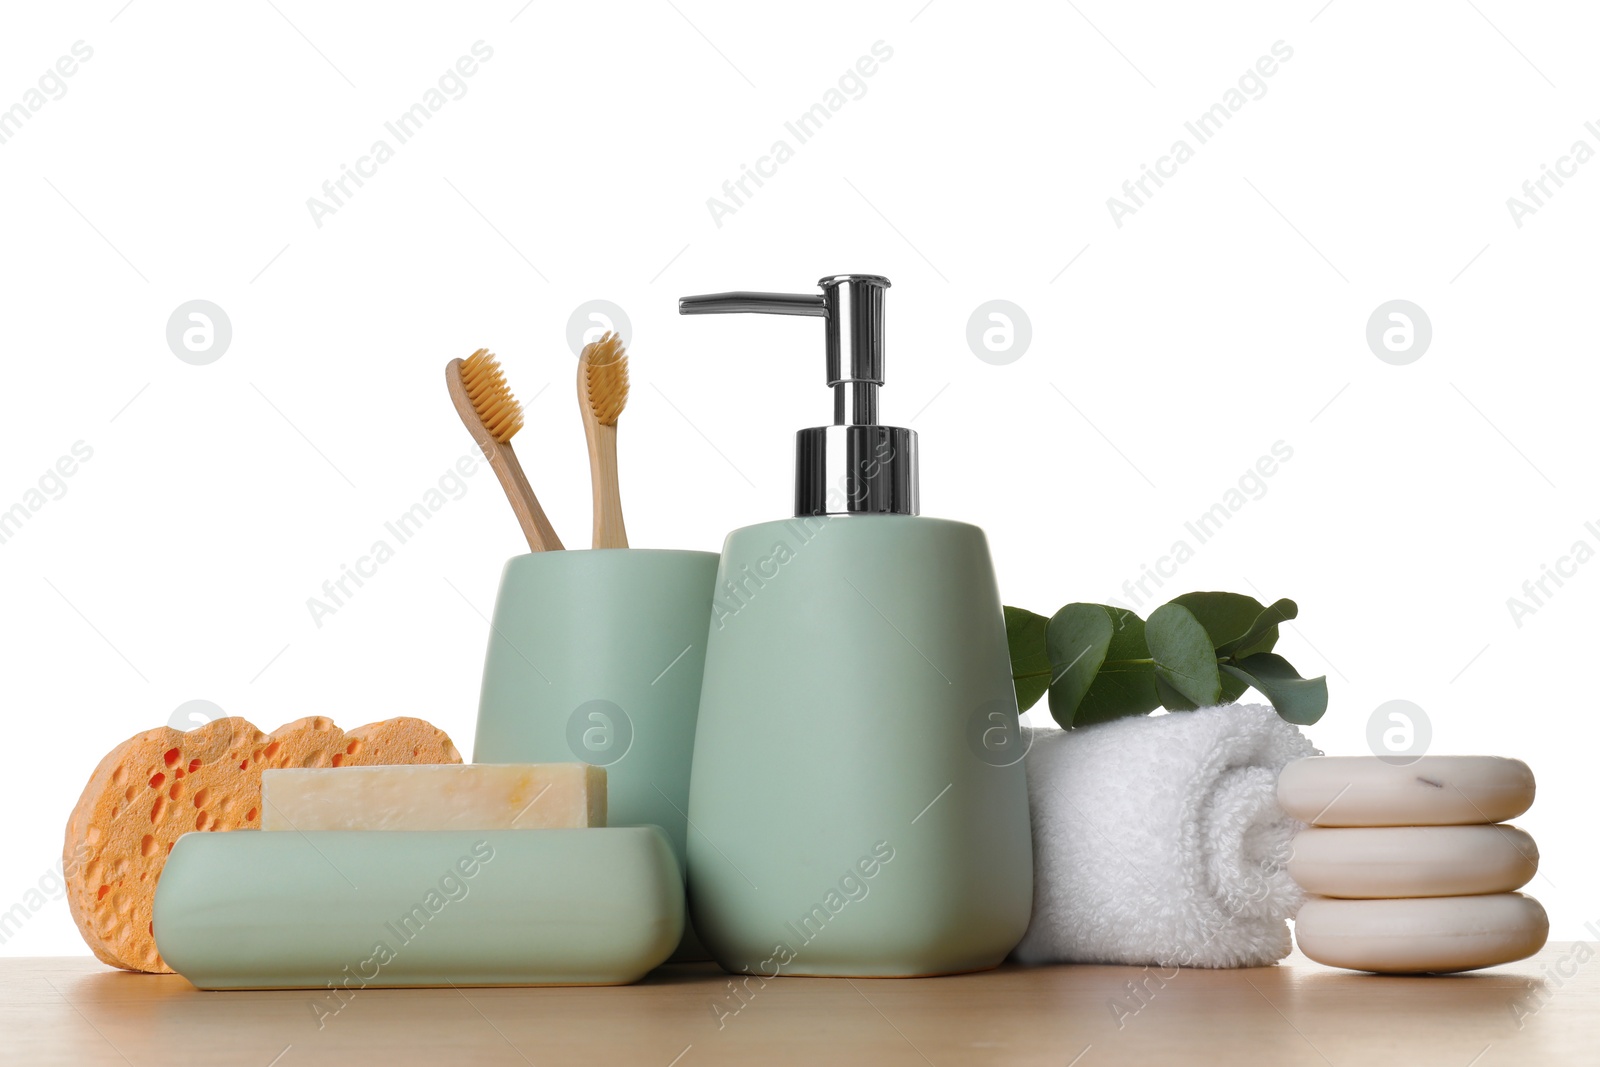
1159, 841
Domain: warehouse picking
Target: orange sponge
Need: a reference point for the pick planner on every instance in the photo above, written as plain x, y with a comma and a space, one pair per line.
163, 783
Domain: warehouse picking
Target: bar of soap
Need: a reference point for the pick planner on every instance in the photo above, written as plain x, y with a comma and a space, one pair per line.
1433, 791
464, 796
1412, 861
1421, 935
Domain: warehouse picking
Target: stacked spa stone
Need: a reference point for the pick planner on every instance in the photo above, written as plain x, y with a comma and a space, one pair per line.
1409, 867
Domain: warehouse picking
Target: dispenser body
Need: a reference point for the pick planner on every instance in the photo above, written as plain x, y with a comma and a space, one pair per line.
849, 811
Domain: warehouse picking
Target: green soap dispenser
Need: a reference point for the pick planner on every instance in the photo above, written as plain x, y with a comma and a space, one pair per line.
857, 805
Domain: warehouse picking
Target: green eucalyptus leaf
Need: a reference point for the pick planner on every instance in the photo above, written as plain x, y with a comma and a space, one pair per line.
1185, 658
1126, 684
1263, 632
1226, 616
1171, 699
1232, 688
1077, 639
1298, 700
1030, 660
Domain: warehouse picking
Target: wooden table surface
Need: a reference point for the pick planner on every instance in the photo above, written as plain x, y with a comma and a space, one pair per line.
1541, 1011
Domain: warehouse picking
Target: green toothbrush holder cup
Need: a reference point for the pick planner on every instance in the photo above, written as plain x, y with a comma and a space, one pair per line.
597, 656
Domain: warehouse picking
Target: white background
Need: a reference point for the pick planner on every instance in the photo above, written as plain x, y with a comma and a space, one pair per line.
1167, 355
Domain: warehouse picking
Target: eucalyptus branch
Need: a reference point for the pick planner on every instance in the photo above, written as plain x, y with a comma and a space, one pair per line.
1100, 663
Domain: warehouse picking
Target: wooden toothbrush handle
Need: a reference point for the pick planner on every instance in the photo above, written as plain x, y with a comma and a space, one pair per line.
609, 531
530, 516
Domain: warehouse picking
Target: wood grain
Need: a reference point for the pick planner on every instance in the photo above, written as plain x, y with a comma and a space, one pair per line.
609, 530
73, 1011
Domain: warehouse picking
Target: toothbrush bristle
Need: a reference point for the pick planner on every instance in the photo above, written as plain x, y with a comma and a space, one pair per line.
491, 397
606, 377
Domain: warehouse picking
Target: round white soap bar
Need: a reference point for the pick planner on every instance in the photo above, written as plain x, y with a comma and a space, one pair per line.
1421, 934
1432, 791
1412, 861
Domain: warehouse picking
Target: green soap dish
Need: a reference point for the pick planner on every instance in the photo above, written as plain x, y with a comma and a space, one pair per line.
250, 909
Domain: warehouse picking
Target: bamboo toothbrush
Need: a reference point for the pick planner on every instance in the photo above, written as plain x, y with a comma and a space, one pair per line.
602, 394
492, 416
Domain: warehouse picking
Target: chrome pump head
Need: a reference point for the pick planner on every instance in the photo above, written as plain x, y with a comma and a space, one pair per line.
856, 466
